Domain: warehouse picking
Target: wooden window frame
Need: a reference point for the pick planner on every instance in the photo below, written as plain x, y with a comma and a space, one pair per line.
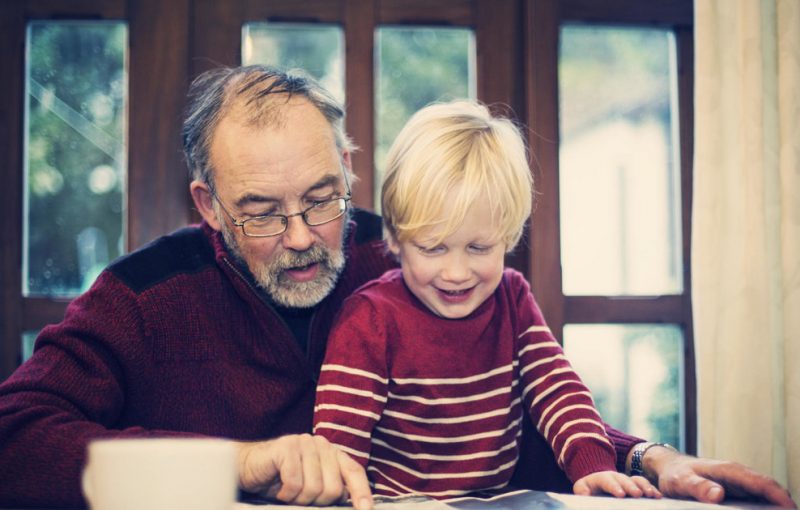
157, 192
543, 20
171, 42
359, 19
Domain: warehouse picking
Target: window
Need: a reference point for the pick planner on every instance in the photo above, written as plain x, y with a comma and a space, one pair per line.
441, 43
619, 216
88, 152
416, 66
75, 154
635, 372
610, 252
316, 48
551, 64
618, 170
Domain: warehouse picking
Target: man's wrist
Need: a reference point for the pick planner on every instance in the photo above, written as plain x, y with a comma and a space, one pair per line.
642, 456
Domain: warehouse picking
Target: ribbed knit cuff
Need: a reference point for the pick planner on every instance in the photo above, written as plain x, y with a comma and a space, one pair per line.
622, 444
588, 456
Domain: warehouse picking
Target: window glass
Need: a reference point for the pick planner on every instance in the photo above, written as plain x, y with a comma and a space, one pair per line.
635, 373
618, 162
75, 153
316, 48
28, 339
416, 66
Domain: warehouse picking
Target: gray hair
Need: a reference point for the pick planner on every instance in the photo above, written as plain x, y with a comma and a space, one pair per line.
214, 93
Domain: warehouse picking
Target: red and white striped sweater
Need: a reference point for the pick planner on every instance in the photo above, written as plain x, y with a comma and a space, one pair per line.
435, 406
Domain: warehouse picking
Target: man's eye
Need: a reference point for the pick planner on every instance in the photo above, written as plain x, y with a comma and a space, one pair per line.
269, 212
316, 201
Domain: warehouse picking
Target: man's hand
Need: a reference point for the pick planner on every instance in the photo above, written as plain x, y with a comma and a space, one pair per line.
709, 481
302, 470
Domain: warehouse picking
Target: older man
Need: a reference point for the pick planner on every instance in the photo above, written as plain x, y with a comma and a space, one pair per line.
219, 329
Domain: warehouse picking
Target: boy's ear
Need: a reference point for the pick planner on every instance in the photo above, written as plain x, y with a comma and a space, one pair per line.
393, 244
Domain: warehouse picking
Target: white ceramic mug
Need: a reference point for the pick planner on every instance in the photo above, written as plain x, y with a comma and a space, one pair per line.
160, 474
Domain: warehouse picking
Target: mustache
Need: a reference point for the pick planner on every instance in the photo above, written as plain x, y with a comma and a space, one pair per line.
288, 260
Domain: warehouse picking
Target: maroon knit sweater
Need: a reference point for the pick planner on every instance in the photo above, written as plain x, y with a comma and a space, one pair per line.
435, 406
171, 340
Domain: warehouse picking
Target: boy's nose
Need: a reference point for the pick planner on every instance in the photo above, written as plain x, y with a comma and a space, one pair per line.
455, 270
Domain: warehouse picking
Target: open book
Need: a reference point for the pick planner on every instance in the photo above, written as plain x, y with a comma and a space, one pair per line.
530, 500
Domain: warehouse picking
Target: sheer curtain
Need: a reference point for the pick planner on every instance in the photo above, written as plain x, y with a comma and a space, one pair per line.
746, 233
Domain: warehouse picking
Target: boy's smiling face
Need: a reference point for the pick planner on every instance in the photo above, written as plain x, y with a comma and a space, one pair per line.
452, 278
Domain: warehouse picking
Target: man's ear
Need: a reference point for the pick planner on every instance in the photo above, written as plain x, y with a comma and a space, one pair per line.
347, 163
202, 198
347, 160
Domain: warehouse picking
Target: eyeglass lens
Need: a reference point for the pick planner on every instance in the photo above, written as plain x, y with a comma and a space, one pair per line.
317, 215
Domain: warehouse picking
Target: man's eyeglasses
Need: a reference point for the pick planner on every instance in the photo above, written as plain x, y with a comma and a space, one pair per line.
276, 224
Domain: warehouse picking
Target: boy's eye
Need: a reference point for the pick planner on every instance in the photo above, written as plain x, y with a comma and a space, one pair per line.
480, 248
431, 250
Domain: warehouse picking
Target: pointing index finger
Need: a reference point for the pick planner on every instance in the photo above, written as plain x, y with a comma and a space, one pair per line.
355, 479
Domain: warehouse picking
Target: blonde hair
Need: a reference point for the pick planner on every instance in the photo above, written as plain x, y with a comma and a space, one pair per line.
461, 150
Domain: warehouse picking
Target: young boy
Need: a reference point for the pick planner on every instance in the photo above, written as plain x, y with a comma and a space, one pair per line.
430, 368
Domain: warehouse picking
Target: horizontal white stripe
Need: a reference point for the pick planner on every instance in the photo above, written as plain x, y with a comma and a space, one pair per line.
578, 421
408, 490
556, 402
352, 451
563, 410
454, 400
347, 409
383, 487
353, 371
572, 408
342, 428
578, 436
544, 344
445, 476
534, 329
351, 391
553, 388
457, 419
538, 381
454, 380
551, 373
445, 458
543, 361
455, 439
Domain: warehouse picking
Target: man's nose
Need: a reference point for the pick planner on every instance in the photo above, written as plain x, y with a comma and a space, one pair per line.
298, 235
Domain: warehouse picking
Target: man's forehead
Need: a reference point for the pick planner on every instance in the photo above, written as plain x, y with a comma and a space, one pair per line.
270, 110
329, 181
297, 118
302, 141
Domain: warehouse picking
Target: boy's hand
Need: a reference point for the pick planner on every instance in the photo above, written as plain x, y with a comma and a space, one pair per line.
615, 484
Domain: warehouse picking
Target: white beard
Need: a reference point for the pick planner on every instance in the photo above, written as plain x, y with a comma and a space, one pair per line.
282, 289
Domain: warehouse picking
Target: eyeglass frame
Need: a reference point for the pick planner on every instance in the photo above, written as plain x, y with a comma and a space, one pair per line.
241, 223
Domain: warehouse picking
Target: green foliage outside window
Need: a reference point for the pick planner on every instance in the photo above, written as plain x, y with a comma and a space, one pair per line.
417, 66
75, 153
